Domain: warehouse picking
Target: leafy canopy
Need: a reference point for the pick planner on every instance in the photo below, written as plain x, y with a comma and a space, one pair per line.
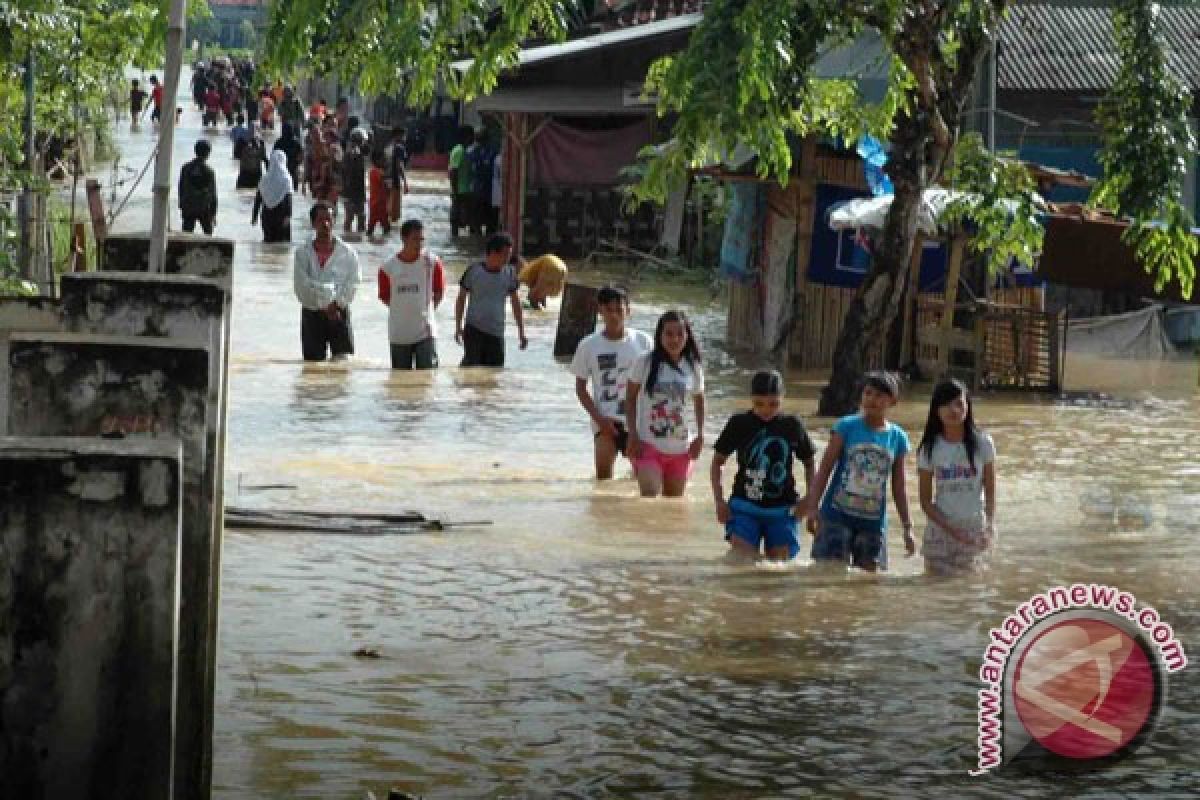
747, 77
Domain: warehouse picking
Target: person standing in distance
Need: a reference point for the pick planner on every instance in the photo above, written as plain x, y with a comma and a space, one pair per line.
326, 275
412, 284
483, 289
198, 191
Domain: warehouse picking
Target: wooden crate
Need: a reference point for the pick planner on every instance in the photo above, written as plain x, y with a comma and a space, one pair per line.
1023, 349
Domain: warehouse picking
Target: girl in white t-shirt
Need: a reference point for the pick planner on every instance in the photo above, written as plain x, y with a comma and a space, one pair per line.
956, 464
660, 382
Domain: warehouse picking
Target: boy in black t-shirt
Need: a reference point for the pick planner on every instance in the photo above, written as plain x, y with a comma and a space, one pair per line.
763, 507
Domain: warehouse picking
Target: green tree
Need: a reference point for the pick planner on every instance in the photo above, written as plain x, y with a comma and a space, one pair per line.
746, 76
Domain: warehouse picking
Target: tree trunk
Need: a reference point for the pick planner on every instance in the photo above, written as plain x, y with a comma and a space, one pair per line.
878, 298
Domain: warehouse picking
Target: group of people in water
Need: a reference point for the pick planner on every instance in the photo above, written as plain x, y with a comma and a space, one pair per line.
636, 391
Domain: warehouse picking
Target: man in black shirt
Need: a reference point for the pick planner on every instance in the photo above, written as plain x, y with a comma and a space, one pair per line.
198, 191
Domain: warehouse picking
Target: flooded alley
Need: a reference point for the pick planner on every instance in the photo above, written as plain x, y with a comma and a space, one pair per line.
588, 643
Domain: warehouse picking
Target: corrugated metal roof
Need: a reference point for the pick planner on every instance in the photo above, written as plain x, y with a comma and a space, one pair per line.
1068, 46
621, 36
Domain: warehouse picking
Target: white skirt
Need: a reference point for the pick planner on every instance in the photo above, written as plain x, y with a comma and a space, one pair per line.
946, 555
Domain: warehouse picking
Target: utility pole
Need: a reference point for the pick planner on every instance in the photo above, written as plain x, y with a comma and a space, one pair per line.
26, 207
166, 137
993, 69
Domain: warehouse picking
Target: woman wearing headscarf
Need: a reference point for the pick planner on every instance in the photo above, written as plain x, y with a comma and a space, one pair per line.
274, 200
293, 148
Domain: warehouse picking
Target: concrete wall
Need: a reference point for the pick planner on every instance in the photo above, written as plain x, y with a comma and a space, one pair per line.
89, 587
205, 257
88, 385
22, 314
187, 254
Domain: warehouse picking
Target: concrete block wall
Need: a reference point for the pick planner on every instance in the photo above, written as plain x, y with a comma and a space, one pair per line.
66, 384
143, 357
89, 587
211, 258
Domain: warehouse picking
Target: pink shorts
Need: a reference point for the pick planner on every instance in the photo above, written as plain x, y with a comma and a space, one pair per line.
673, 467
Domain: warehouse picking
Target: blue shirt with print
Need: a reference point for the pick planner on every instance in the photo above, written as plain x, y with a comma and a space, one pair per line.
857, 493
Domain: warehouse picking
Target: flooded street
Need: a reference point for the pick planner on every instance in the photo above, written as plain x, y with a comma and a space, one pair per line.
589, 643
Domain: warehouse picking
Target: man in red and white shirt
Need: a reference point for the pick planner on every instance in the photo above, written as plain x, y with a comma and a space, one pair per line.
412, 284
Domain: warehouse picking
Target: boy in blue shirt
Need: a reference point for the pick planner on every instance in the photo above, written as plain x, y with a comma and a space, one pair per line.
864, 450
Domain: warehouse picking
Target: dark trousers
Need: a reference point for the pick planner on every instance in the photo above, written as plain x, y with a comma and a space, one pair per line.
206, 223
423, 353
460, 211
318, 333
482, 349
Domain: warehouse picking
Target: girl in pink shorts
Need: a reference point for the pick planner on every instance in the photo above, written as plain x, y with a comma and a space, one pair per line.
661, 445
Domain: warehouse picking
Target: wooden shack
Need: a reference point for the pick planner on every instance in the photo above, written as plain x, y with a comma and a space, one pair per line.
806, 275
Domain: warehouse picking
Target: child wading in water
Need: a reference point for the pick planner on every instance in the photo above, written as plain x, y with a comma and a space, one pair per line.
660, 382
864, 450
760, 510
605, 358
956, 466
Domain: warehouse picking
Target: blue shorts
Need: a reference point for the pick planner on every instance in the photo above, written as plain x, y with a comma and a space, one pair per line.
755, 524
863, 546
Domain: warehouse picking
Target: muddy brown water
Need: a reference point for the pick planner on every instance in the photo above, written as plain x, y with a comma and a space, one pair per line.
593, 644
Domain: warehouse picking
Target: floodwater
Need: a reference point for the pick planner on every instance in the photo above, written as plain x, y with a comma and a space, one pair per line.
589, 643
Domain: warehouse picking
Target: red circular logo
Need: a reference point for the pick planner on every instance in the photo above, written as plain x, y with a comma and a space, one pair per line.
1084, 688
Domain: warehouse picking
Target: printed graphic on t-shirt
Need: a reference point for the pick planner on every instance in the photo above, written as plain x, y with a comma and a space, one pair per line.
767, 460
864, 478
611, 383
666, 410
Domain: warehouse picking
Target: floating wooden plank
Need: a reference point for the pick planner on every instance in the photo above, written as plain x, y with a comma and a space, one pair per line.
339, 522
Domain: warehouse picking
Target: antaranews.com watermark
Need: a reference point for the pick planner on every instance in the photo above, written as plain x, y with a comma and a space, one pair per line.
1077, 672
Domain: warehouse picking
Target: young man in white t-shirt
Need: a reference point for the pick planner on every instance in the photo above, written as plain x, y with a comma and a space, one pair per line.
411, 285
604, 359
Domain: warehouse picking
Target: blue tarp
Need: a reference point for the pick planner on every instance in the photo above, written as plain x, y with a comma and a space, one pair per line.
874, 158
747, 202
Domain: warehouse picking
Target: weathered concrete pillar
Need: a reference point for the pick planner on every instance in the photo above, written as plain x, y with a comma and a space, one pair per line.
576, 318
188, 310
203, 257
187, 254
69, 384
22, 314
89, 587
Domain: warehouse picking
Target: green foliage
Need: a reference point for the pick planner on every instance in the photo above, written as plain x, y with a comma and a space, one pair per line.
1000, 205
409, 46
80, 49
1147, 141
746, 77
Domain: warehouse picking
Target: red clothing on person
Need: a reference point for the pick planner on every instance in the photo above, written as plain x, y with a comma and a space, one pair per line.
379, 197
156, 95
439, 279
212, 100
322, 254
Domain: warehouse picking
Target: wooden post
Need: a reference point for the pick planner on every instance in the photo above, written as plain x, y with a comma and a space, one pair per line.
806, 204
96, 210
907, 335
953, 271
78, 248
576, 318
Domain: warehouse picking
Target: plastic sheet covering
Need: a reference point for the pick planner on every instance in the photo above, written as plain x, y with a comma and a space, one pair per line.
747, 201
1136, 334
870, 212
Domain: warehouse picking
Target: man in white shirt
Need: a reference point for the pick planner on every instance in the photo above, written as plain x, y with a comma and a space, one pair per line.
412, 284
604, 358
326, 276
